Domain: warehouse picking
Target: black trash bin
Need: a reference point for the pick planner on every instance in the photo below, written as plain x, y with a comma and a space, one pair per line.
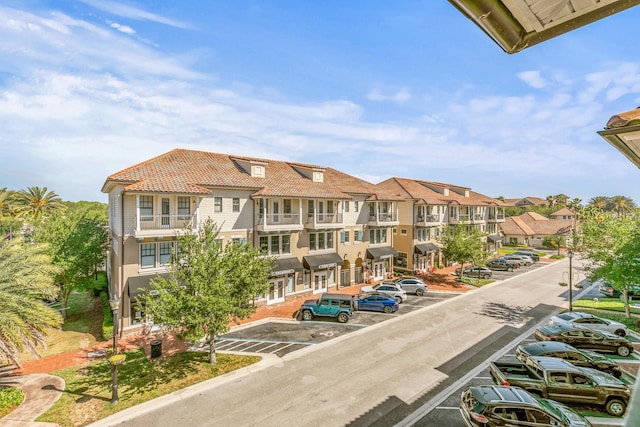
156, 348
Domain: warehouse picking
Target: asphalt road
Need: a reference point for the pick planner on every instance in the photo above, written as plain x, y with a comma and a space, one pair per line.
381, 375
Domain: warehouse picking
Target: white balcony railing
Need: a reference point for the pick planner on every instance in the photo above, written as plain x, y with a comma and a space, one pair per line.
277, 219
165, 222
324, 218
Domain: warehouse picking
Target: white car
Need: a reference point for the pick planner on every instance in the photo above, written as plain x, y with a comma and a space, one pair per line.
393, 291
522, 259
590, 321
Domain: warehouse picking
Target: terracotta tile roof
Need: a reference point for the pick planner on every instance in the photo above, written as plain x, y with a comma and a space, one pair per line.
533, 216
514, 225
529, 225
563, 212
432, 193
198, 172
536, 201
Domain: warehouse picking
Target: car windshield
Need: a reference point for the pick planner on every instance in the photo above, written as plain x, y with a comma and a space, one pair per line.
561, 411
566, 316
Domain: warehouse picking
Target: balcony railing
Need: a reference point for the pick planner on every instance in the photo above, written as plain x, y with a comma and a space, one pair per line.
478, 217
278, 219
165, 222
324, 218
428, 218
383, 217
494, 217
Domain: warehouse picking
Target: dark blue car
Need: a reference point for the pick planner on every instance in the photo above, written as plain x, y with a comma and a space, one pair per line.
377, 303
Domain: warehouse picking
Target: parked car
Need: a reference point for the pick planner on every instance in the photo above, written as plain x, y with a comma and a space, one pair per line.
521, 259
502, 264
339, 306
377, 303
531, 254
608, 290
584, 338
577, 357
485, 405
386, 288
558, 379
411, 285
590, 321
475, 271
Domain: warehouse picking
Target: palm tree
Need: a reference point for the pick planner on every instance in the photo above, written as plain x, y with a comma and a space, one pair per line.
622, 205
35, 202
26, 279
5, 202
600, 202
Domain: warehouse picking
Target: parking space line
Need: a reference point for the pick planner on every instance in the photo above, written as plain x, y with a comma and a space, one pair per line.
270, 341
455, 408
281, 348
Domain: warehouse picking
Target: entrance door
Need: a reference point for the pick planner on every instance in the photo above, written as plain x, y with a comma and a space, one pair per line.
319, 282
276, 291
275, 212
378, 270
166, 218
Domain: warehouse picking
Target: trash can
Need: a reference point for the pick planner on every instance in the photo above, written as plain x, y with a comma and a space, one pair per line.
156, 348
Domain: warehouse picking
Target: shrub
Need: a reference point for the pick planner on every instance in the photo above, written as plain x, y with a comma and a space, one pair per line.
10, 398
107, 323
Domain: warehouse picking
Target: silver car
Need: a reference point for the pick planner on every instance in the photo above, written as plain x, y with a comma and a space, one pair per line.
389, 289
522, 259
412, 285
590, 321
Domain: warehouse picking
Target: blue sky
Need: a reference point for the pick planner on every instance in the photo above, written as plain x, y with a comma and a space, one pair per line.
375, 89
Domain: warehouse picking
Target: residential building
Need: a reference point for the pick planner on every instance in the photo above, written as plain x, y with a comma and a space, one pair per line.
427, 207
531, 229
324, 228
563, 213
526, 202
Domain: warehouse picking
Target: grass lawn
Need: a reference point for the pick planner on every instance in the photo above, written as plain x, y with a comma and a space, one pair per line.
478, 283
87, 394
609, 308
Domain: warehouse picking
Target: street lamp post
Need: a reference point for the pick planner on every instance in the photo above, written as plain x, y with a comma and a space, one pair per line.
570, 253
114, 302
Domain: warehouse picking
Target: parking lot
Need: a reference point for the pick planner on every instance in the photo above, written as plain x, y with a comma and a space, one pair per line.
286, 336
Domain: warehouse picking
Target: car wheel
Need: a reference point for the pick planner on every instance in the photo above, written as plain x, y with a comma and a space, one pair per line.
307, 315
419, 292
616, 407
388, 309
398, 300
343, 317
510, 269
620, 333
623, 351
486, 277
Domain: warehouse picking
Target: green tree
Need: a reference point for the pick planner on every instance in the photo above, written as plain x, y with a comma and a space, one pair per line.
611, 245
78, 242
622, 205
208, 286
463, 244
554, 242
34, 203
26, 278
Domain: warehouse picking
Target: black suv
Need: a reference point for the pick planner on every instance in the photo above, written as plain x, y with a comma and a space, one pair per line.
585, 339
512, 406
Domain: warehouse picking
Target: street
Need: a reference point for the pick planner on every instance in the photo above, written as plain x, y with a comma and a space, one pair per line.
378, 375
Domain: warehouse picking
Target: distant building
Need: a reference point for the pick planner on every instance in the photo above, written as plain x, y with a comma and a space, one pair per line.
563, 213
526, 202
532, 228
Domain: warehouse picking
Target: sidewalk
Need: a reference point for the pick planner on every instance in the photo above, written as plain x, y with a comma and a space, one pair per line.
42, 390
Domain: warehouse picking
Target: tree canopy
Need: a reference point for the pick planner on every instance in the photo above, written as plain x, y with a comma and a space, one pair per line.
34, 203
463, 244
611, 244
209, 285
26, 279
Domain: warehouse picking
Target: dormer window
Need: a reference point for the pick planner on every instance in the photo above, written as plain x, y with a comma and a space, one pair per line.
466, 193
445, 191
318, 177
257, 171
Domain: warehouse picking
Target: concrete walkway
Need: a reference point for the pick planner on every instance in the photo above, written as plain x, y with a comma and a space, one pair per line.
41, 391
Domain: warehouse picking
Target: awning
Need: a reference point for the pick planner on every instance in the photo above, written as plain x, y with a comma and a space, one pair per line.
138, 285
322, 262
426, 248
381, 253
284, 266
495, 238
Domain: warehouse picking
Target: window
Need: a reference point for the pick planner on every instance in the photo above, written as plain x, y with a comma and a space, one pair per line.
236, 204
346, 206
320, 241
165, 252
355, 206
377, 236
276, 244
147, 255
217, 204
286, 206
146, 208
358, 236
344, 237
184, 207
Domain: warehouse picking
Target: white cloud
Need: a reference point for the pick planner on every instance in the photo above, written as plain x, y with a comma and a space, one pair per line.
122, 28
400, 96
533, 78
127, 11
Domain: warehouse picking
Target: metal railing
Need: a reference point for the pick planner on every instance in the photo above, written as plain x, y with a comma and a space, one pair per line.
165, 222
324, 218
278, 219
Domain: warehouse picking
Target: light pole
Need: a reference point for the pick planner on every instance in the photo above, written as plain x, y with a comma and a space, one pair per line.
114, 302
570, 254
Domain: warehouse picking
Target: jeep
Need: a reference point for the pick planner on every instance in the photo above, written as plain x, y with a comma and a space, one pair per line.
339, 306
